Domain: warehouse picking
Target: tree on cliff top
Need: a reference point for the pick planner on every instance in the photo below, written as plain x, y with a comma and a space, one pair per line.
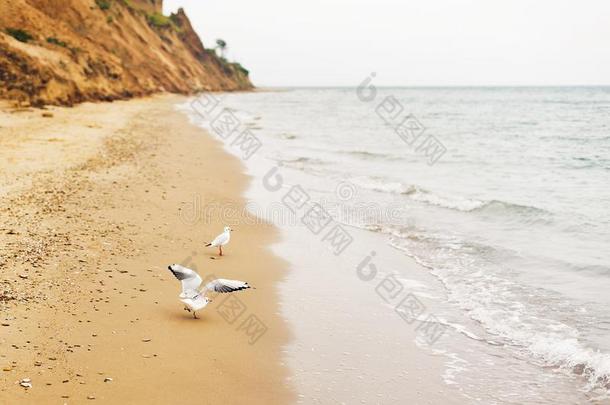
222, 45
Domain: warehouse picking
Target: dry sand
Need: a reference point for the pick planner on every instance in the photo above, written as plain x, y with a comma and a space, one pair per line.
94, 206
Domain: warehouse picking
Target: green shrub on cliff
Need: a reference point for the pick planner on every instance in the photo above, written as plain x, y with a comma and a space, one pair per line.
55, 41
103, 4
242, 69
19, 35
158, 20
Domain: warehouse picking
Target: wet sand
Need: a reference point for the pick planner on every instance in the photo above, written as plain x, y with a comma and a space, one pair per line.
96, 201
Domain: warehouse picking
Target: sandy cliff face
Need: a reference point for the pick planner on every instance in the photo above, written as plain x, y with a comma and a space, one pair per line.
70, 51
151, 6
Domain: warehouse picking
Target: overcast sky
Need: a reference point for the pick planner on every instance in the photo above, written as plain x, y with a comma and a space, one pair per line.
410, 42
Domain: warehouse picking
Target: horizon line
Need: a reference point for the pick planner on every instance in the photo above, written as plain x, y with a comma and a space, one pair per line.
434, 86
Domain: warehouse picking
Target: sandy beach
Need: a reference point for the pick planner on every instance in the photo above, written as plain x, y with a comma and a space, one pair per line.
98, 199
424, 223
91, 217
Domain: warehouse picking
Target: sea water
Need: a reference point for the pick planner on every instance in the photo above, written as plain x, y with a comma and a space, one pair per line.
508, 213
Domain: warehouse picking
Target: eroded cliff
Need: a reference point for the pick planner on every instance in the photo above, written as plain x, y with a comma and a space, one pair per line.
70, 51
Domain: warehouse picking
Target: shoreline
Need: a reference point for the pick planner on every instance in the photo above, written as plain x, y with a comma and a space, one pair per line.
326, 149
91, 203
347, 335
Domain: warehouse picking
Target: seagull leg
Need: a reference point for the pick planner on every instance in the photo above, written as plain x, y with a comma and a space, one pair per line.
220, 247
195, 314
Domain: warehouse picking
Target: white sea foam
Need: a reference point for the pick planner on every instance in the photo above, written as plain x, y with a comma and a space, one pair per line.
419, 194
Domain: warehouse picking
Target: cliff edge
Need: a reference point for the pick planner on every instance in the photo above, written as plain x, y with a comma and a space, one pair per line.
69, 51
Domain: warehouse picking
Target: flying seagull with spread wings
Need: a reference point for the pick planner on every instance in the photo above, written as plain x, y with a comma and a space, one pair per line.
193, 296
221, 239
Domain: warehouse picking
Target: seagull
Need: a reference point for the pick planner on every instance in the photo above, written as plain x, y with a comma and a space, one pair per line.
192, 296
221, 239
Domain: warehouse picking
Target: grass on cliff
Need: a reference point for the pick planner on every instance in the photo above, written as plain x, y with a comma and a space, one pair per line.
158, 20
242, 69
55, 41
19, 35
228, 67
103, 4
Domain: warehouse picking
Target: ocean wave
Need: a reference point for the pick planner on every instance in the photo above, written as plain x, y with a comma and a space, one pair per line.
301, 160
303, 163
384, 187
571, 356
595, 270
419, 194
454, 202
497, 206
445, 201
563, 351
503, 308
577, 139
368, 155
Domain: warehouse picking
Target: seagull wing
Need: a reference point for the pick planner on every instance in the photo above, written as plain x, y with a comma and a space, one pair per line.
189, 278
220, 239
222, 285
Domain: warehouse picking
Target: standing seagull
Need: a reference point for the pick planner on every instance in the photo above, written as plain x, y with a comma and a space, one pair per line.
192, 296
221, 239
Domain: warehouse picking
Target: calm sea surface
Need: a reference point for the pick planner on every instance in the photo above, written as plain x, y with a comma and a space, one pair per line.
512, 219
